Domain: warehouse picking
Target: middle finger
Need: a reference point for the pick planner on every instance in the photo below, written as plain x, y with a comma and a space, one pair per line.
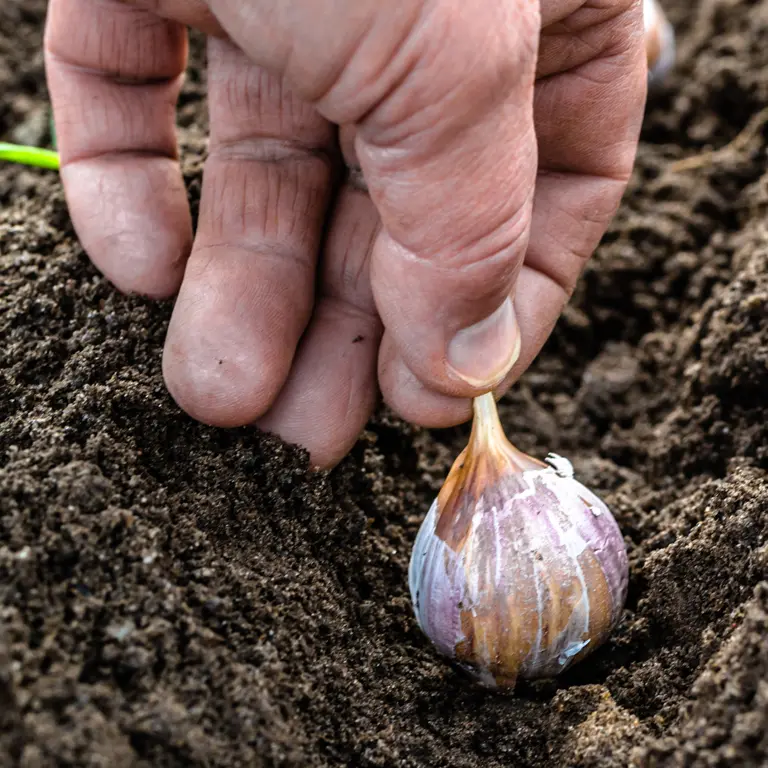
248, 290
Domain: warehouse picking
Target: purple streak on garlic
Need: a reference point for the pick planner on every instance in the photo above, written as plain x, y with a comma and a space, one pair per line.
518, 570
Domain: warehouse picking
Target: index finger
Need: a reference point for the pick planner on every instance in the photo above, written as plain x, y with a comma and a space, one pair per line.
114, 74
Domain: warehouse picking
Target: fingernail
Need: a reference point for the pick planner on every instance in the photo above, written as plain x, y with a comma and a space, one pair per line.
484, 353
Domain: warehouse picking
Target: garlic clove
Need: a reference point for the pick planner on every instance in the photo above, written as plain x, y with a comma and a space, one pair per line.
518, 570
659, 42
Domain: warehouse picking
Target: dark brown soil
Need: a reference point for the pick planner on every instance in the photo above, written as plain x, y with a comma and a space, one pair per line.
172, 594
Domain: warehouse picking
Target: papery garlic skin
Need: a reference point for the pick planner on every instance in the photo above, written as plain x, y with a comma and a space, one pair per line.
521, 574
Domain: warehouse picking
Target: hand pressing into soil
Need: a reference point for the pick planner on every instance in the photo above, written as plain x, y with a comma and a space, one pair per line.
395, 193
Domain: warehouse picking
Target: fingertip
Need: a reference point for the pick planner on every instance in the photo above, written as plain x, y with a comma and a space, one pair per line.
213, 393
220, 364
132, 218
408, 396
331, 391
455, 325
539, 300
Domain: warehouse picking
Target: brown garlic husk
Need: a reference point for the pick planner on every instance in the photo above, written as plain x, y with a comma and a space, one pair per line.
518, 570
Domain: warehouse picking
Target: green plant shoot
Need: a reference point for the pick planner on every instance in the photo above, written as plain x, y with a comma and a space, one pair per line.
34, 156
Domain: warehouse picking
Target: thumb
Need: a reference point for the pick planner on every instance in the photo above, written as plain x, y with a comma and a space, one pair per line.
450, 160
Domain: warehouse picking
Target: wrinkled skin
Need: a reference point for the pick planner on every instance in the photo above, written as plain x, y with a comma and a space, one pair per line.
489, 144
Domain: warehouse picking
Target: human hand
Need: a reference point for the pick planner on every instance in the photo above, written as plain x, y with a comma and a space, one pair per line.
495, 142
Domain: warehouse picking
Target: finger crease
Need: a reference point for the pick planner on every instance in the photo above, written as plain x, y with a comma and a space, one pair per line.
116, 76
552, 171
121, 154
558, 280
263, 249
271, 149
